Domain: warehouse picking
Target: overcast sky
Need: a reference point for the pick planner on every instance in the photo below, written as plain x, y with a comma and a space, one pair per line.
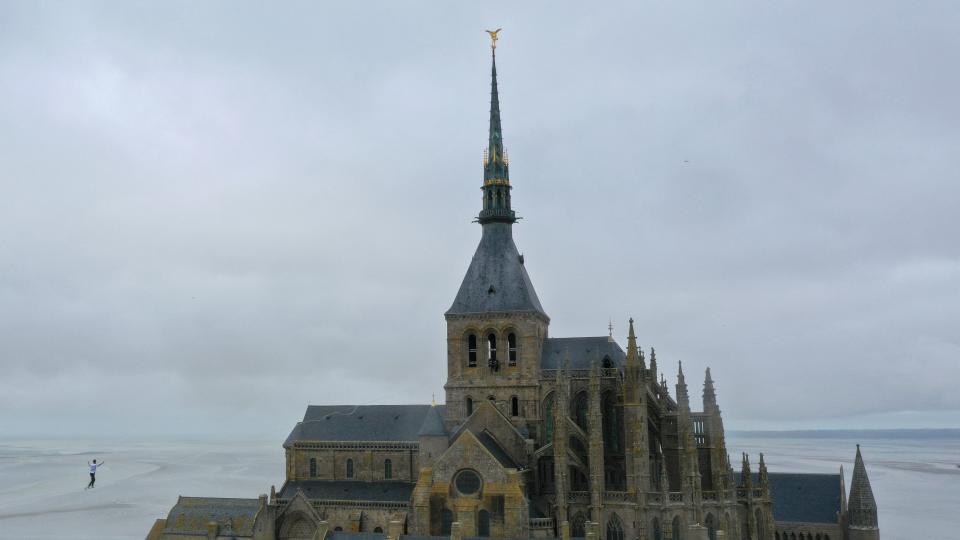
215, 213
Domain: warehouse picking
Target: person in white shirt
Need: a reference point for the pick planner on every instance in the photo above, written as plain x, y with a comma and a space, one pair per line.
93, 471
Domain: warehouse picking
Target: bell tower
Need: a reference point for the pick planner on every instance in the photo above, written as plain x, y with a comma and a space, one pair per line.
496, 325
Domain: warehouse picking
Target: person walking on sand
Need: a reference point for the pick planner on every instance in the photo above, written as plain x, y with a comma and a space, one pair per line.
93, 472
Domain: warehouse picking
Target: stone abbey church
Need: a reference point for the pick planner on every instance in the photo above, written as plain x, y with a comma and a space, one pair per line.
539, 437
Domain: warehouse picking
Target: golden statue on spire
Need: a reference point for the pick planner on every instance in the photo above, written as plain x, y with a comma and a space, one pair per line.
493, 37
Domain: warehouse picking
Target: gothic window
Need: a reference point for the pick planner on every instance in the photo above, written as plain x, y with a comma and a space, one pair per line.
483, 523
497, 510
492, 351
387, 469
313, 467
512, 348
581, 407
349, 468
712, 528
469, 406
378, 529
676, 528
657, 533
472, 350
338, 529
607, 363
614, 528
514, 406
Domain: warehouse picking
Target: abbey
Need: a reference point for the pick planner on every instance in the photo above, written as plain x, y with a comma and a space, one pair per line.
539, 437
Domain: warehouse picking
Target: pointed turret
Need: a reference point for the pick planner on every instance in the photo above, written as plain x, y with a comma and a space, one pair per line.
632, 356
762, 475
683, 398
861, 506
745, 475
653, 364
709, 394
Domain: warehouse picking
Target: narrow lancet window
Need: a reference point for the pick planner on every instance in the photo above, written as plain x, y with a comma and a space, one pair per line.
512, 348
514, 406
387, 469
469, 406
313, 467
349, 468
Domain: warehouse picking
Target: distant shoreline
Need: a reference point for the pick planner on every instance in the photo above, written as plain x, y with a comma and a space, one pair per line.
919, 433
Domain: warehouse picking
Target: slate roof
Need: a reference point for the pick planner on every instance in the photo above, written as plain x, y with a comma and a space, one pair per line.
348, 490
361, 423
496, 279
810, 498
191, 514
582, 351
432, 423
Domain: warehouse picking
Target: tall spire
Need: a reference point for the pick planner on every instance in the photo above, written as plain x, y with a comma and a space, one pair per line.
496, 165
861, 506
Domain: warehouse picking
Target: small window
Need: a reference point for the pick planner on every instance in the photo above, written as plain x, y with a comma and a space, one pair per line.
469, 406
387, 469
472, 351
313, 467
514, 406
338, 528
378, 529
607, 363
512, 348
349, 468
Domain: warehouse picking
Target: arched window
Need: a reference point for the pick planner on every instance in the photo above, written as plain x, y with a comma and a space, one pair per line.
313, 467
512, 348
349, 468
712, 528
387, 469
793, 536
472, 350
338, 528
614, 528
657, 532
378, 529
514, 406
676, 528
469, 404
818, 537
483, 523
492, 351
776, 535
607, 363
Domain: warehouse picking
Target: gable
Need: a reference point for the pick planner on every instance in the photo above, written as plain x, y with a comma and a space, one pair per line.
467, 452
487, 418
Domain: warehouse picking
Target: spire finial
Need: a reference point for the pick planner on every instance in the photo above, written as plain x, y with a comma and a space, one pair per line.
433, 399
493, 37
610, 330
